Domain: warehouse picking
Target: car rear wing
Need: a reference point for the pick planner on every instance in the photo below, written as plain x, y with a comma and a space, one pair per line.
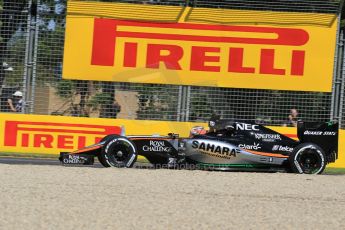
324, 134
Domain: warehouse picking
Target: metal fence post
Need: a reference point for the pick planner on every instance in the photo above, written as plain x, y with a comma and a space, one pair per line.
183, 107
27, 59
30, 58
34, 60
342, 88
336, 83
188, 89
179, 104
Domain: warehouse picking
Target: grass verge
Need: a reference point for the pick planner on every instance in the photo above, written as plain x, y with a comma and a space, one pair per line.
336, 171
29, 155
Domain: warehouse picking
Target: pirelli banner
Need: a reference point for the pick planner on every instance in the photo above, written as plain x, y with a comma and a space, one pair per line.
184, 46
44, 134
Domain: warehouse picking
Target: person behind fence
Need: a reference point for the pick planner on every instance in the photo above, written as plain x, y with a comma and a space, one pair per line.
15, 103
292, 118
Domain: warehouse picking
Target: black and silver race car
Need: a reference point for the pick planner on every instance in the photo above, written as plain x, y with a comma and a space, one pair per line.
227, 145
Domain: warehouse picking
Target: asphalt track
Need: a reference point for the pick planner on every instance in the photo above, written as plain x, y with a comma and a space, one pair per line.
46, 161
41, 194
28, 161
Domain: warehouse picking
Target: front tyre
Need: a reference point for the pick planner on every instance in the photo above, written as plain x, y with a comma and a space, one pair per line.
100, 156
307, 158
118, 152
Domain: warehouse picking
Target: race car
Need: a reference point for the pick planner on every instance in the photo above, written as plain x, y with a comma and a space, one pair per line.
227, 145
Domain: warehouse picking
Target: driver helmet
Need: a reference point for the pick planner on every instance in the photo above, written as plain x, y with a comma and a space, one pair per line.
197, 130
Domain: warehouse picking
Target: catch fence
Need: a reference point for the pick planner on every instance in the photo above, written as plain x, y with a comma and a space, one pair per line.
31, 48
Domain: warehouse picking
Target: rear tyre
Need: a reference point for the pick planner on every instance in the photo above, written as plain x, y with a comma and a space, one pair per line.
307, 158
117, 151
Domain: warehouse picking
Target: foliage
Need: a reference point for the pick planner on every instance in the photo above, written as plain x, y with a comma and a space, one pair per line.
156, 102
200, 108
65, 89
99, 99
11, 18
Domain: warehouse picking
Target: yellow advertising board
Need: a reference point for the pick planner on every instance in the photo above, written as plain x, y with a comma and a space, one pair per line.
39, 134
54, 134
137, 43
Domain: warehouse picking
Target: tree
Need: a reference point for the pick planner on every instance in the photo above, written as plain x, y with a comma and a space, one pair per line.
82, 95
12, 15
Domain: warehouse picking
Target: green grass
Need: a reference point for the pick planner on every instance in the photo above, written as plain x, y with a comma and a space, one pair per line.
29, 155
337, 171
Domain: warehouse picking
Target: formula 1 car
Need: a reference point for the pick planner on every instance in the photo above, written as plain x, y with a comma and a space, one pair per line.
227, 145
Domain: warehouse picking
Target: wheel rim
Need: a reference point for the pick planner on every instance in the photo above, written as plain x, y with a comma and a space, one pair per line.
120, 152
309, 160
